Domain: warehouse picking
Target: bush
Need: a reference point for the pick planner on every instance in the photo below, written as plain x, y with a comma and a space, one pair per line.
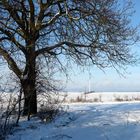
118, 99
8, 115
47, 113
50, 107
96, 100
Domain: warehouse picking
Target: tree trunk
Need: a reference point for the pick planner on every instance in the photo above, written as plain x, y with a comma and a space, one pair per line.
30, 98
29, 86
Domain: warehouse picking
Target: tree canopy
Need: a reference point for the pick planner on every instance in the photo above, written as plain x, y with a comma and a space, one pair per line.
94, 32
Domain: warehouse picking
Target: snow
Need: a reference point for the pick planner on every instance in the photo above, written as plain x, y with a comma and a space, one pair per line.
85, 121
102, 96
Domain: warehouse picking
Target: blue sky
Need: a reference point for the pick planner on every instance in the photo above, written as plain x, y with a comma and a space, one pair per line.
109, 80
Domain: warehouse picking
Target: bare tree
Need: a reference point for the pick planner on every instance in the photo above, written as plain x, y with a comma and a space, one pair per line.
94, 32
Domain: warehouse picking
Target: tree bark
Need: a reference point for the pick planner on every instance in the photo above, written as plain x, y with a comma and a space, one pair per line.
29, 86
30, 98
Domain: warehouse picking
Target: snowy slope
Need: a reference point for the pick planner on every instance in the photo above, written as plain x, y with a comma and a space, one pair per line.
86, 121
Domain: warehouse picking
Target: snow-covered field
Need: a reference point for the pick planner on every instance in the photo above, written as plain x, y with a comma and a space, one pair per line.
92, 116
101, 96
86, 121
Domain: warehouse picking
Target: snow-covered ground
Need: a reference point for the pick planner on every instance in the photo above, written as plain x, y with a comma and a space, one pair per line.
86, 121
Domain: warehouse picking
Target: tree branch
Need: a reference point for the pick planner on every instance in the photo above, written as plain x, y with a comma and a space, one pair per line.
10, 37
50, 48
32, 14
14, 14
53, 19
11, 63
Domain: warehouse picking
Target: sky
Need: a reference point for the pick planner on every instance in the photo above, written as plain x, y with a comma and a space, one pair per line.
108, 80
